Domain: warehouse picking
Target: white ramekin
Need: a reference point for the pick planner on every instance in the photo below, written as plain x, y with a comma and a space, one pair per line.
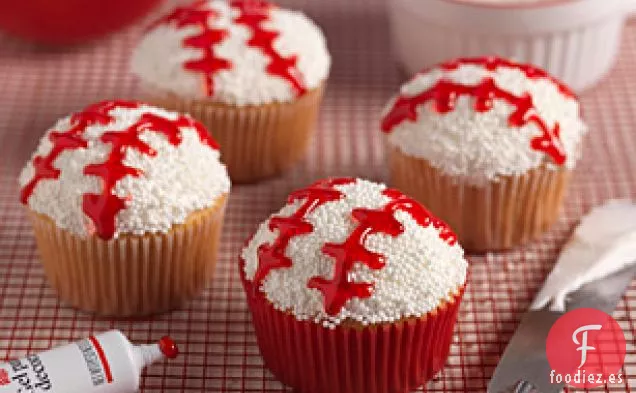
575, 40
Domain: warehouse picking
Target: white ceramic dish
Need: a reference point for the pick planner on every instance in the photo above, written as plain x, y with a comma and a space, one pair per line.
575, 40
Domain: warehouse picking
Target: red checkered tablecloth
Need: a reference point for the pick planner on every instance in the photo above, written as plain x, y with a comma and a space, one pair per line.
220, 355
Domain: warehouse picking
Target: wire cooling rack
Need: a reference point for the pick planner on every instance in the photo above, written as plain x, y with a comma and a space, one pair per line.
220, 355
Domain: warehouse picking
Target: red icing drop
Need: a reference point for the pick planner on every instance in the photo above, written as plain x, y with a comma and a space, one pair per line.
252, 14
444, 95
272, 256
196, 15
102, 208
168, 347
337, 291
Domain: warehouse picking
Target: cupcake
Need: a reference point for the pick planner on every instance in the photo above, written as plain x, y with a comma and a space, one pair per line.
253, 73
353, 287
127, 203
488, 145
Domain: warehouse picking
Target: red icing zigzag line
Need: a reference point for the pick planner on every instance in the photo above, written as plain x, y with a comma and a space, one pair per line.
444, 95
493, 63
253, 14
338, 290
272, 256
209, 64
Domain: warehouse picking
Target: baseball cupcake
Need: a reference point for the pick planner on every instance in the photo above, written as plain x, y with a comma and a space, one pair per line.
488, 145
253, 73
353, 287
127, 202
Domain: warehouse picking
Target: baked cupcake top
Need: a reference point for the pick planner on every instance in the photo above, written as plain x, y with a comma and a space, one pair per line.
122, 167
482, 118
349, 249
244, 52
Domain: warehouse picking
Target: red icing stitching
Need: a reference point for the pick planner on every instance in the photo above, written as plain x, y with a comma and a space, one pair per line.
69, 140
493, 63
421, 215
444, 94
253, 14
337, 291
187, 121
209, 64
102, 208
272, 256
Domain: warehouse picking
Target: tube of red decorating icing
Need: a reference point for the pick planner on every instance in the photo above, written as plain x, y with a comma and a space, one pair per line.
107, 363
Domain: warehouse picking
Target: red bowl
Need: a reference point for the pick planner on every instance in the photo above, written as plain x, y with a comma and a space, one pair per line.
69, 21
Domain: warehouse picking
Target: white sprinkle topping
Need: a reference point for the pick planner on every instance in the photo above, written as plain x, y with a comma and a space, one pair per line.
177, 181
159, 58
421, 269
479, 147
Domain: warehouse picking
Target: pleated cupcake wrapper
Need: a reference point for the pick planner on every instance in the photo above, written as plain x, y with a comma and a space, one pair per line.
387, 358
498, 216
257, 141
131, 275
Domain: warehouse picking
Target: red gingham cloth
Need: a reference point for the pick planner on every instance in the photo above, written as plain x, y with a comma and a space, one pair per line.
220, 355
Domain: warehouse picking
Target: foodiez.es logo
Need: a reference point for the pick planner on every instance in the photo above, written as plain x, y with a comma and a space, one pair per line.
586, 348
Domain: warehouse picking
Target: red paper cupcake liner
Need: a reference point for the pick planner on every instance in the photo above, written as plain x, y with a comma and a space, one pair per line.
387, 358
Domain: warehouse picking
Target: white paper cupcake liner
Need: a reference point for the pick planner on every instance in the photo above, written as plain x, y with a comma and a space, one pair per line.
131, 275
257, 141
499, 215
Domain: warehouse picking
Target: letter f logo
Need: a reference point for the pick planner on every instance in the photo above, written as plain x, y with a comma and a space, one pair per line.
583, 344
